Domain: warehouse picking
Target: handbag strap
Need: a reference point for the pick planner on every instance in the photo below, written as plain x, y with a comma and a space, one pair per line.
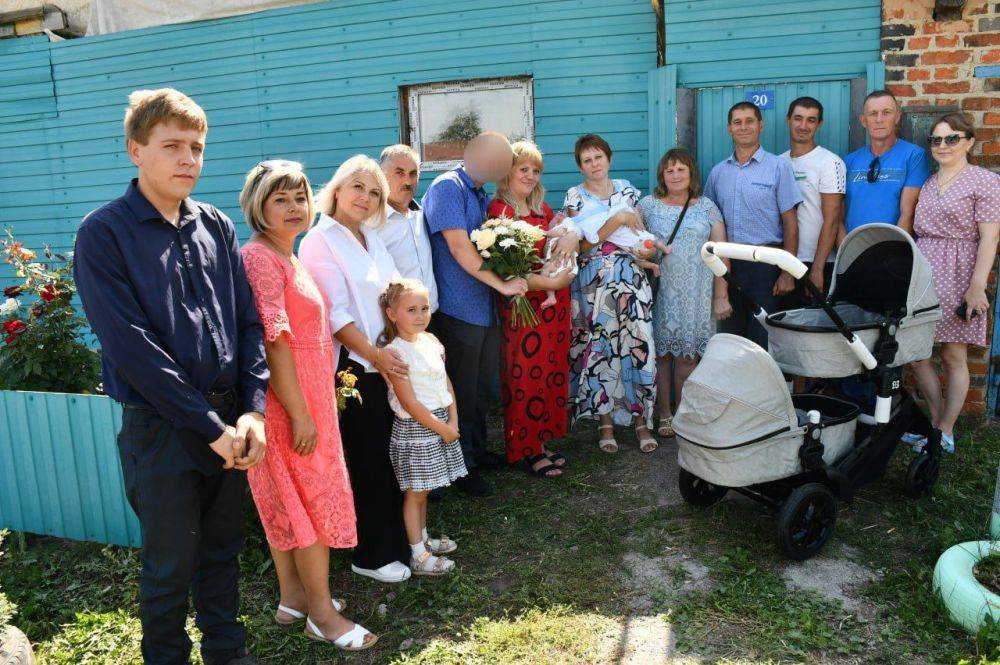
680, 218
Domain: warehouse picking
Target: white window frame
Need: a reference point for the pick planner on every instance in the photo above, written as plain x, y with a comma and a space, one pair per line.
412, 121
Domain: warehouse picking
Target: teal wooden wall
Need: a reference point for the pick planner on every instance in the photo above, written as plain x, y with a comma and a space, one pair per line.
315, 83
722, 42
59, 469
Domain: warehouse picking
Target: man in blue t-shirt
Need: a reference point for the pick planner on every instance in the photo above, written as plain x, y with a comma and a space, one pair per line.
884, 177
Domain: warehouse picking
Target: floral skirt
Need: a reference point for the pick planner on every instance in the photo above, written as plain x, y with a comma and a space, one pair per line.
612, 360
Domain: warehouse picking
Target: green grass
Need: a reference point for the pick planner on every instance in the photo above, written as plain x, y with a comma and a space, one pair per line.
988, 573
541, 577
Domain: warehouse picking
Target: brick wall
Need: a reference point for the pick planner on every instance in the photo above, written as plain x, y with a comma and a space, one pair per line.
932, 62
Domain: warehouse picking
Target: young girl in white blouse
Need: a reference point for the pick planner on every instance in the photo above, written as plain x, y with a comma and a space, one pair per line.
424, 446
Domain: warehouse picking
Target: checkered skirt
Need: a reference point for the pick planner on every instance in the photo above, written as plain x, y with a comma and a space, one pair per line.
421, 460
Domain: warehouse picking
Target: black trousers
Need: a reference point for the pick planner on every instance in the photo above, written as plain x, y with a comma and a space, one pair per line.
365, 429
190, 511
756, 280
472, 360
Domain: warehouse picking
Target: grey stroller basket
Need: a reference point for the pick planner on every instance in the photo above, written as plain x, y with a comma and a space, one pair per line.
882, 286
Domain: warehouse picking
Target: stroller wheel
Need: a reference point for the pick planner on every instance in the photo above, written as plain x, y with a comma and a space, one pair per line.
921, 475
699, 492
806, 520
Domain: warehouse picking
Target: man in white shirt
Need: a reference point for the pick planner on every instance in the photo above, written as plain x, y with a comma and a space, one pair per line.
821, 177
404, 232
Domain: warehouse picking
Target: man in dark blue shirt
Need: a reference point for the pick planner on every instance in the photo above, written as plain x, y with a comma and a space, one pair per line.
163, 286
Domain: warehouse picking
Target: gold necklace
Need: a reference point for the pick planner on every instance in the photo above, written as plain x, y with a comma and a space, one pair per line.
941, 184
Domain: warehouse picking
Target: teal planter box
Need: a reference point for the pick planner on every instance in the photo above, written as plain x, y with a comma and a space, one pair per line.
59, 469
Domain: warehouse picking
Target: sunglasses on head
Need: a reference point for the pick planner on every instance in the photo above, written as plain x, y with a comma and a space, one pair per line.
271, 164
950, 140
874, 170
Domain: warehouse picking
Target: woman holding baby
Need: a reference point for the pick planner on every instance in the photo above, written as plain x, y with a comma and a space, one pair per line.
612, 359
534, 360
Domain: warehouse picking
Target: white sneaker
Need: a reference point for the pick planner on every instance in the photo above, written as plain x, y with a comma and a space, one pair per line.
390, 572
915, 441
947, 442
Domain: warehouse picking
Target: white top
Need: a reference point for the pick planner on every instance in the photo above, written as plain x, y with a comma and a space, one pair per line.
406, 238
350, 277
819, 171
427, 374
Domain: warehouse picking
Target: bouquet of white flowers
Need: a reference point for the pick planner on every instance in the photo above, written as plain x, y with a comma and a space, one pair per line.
508, 247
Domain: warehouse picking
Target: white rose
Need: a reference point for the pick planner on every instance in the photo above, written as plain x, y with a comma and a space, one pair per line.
484, 238
508, 242
9, 307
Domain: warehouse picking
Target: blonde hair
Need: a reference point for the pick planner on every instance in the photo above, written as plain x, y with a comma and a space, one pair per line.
397, 289
148, 108
524, 151
267, 178
326, 198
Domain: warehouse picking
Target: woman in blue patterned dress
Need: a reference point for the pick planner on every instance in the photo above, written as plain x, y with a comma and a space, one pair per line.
612, 363
682, 312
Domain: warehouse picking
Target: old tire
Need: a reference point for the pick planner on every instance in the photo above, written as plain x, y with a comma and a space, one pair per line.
698, 492
806, 521
921, 475
15, 649
969, 603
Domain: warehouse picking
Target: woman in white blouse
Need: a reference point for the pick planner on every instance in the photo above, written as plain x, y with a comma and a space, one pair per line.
351, 266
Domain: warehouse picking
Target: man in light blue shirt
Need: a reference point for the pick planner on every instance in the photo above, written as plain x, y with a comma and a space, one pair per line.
884, 177
757, 194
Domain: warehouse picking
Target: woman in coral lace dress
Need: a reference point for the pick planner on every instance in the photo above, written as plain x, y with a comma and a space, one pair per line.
301, 489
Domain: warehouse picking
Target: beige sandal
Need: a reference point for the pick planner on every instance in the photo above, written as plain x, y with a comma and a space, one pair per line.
433, 566
647, 444
666, 427
607, 443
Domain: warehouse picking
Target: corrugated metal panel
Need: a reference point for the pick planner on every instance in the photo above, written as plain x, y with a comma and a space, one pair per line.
715, 144
718, 42
662, 114
59, 469
25, 79
320, 82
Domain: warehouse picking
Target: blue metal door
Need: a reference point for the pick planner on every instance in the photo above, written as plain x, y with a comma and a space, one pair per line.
715, 144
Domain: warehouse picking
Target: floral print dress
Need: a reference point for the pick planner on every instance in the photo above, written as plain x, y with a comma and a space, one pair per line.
612, 359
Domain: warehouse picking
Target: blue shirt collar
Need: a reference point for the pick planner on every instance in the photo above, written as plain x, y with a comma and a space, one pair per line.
757, 156
144, 211
467, 180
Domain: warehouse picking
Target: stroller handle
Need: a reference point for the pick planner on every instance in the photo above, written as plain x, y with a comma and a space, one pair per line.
712, 254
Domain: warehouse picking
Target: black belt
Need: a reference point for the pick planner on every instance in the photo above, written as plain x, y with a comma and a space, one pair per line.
217, 399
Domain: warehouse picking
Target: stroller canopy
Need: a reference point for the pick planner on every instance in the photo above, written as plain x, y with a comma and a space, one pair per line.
736, 395
880, 269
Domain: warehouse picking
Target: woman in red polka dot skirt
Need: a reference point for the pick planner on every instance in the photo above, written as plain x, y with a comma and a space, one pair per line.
534, 369
957, 223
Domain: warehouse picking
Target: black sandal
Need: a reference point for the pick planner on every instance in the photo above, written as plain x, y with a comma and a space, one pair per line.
544, 471
555, 458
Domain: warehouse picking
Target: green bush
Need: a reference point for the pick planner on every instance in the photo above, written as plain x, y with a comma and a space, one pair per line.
42, 346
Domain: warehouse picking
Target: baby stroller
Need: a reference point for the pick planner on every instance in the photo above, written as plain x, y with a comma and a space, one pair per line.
739, 427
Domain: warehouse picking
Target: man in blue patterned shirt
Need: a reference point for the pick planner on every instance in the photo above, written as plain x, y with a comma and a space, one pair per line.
757, 194
466, 321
